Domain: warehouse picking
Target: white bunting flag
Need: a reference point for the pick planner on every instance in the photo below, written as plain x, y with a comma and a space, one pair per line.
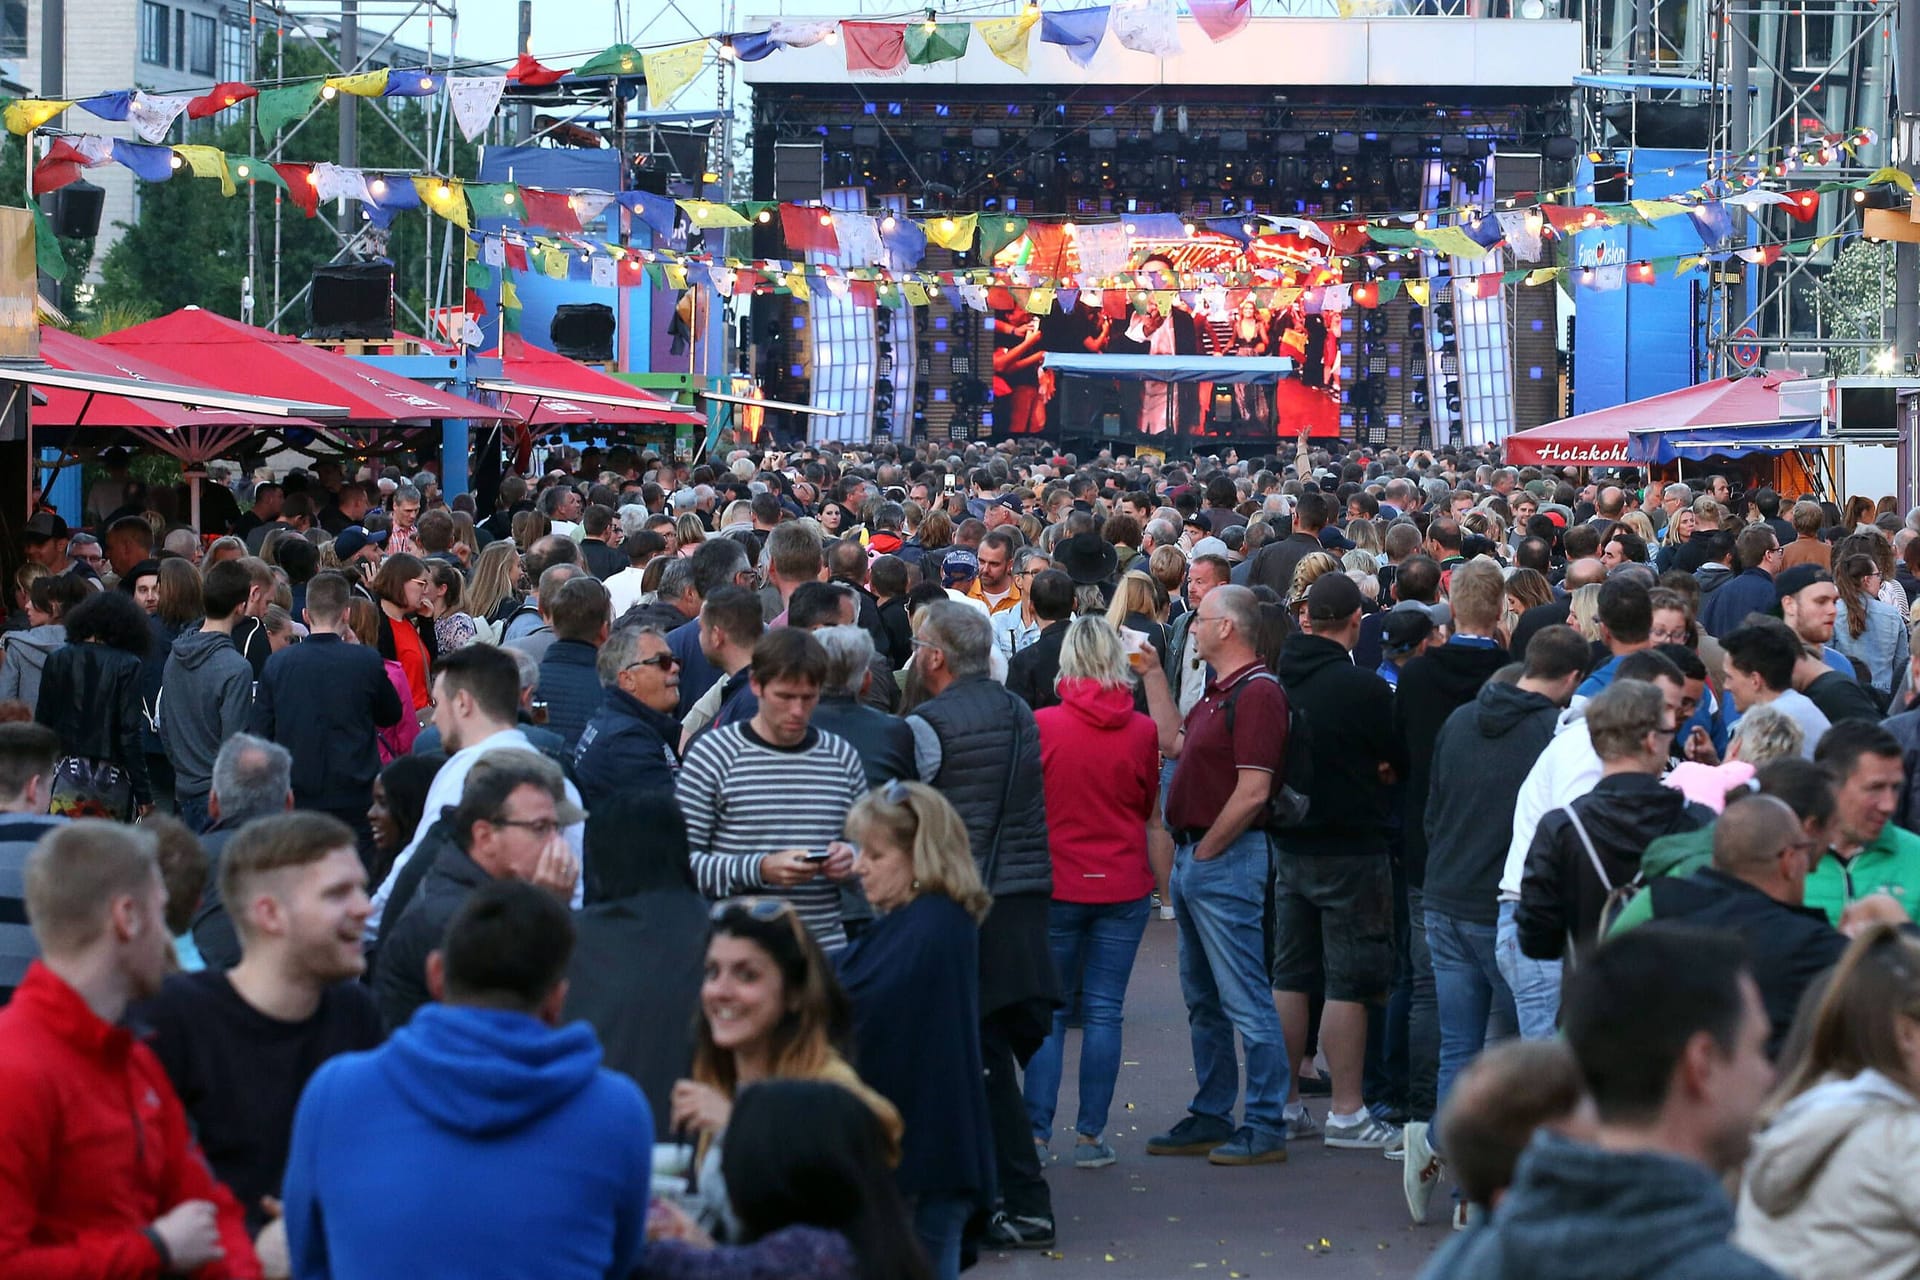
722, 278
1146, 26
336, 183
798, 33
152, 115
1104, 248
473, 99
493, 252
1521, 227
603, 273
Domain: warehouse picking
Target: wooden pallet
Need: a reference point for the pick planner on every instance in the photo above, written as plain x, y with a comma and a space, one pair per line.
367, 346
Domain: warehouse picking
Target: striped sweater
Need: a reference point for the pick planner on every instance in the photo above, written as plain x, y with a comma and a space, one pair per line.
744, 799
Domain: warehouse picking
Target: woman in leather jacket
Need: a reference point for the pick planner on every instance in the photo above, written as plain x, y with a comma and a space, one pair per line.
90, 696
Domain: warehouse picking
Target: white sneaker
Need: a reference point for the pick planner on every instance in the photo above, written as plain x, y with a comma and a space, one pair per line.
1166, 911
1364, 1134
1397, 1149
1300, 1122
1461, 1216
1421, 1172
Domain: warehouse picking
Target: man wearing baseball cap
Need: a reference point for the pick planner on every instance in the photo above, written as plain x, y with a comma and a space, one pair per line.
1809, 602
1332, 887
1404, 637
45, 538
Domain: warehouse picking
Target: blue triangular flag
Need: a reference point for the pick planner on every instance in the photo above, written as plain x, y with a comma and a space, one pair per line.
658, 212
1078, 31
1233, 227
150, 164
1069, 299
411, 83
108, 106
1157, 226
751, 46
1484, 232
906, 245
1712, 221
395, 194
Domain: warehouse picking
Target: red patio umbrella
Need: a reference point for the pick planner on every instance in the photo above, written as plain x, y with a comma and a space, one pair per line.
1599, 437
535, 367
200, 346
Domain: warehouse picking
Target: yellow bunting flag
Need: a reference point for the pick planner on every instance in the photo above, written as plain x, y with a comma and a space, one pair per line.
797, 285
555, 263
1654, 210
916, 295
950, 232
1898, 177
707, 213
676, 275
1040, 301
367, 84
509, 295
670, 70
208, 162
1544, 275
31, 113
1692, 262
1451, 241
1418, 290
446, 197
1007, 37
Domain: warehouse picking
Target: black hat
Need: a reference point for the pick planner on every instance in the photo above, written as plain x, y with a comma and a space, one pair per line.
1087, 558
1791, 582
1333, 597
44, 525
1405, 629
1200, 520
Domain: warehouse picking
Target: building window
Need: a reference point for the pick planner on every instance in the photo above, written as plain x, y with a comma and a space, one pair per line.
236, 49
156, 30
203, 45
180, 40
13, 28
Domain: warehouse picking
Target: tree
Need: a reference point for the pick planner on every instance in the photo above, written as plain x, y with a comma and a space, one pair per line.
1853, 298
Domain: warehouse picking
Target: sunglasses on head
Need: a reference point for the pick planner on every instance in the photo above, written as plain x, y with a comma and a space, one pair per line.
759, 908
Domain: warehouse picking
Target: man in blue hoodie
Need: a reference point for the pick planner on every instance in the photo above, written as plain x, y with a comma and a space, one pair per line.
1671, 1037
484, 1138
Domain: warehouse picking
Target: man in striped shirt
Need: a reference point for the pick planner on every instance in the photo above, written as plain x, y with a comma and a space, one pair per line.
27, 755
765, 799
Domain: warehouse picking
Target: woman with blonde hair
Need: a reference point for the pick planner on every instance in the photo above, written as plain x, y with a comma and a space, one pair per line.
1168, 565
689, 532
1828, 1189
1312, 567
914, 978
1100, 767
528, 528
1136, 606
1679, 530
1365, 535
1641, 524
495, 588
227, 548
1584, 613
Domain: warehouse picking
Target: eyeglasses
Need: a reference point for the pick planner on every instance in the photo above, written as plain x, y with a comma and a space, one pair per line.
895, 792
760, 908
664, 661
542, 827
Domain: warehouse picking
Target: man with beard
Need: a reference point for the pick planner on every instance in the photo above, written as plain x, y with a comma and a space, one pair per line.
99, 1172
240, 1046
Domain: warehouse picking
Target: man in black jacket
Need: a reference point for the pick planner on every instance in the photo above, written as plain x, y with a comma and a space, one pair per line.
1479, 759
1032, 671
322, 700
1581, 853
569, 684
884, 742
1273, 564
1332, 886
1756, 889
629, 745
507, 826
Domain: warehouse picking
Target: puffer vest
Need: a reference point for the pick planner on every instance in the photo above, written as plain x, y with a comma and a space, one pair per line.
985, 731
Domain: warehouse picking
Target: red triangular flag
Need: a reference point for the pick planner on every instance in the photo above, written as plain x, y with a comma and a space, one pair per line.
1488, 285
529, 72
476, 305
804, 232
864, 293
1221, 18
516, 256
550, 209
1803, 205
53, 173
230, 93
874, 48
1569, 218
300, 186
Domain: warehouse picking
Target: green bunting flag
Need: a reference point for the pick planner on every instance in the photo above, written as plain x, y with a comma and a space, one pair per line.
479, 275
494, 200
931, 42
46, 246
277, 107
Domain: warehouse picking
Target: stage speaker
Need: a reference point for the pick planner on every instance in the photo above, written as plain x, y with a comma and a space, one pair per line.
799, 170
1233, 140
351, 300
1103, 139
989, 138
583, 331
76, 210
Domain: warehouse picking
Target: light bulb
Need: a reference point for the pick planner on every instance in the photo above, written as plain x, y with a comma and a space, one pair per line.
763, 216
240, 170
378, 186
506, 197
826, 219
329, 92
231, 100
313, 179
573, 203
726, 49
426, 84
175, 161
832, 36
887, 223
1187, 228
947, 224
443, 192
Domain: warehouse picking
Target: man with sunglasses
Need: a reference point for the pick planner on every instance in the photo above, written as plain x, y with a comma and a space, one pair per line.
628, 745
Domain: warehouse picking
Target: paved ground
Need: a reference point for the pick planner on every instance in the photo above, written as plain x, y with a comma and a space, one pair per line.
1334, 1214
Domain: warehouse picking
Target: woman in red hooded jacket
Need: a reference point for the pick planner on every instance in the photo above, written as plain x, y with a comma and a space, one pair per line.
1100, 760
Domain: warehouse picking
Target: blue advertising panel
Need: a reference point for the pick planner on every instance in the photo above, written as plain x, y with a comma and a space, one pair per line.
1637, 340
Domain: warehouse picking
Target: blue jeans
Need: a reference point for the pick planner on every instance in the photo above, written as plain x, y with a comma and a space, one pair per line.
1535, 984
1098, 941
193, 812
938, 1221
1223, 976
1467, 981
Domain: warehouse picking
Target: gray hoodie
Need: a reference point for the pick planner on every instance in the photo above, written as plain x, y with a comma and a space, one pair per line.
26, 657
206, 696
1576, 1212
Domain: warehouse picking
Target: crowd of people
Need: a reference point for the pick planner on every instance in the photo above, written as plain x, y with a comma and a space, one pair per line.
699, 870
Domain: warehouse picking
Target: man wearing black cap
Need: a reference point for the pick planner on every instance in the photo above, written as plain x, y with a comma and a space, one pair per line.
1404, 636
1332, 887
1809, 603
45, 539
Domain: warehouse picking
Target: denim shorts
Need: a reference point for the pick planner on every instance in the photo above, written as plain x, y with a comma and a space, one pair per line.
1333, 915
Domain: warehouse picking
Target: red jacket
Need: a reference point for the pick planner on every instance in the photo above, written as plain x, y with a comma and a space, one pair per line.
1100, 760
94, 1146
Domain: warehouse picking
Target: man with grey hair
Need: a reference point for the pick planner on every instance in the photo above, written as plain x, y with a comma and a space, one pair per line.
1015, 629
251, 779
534, 634
404, 537
1159, 533
628, 745
184, 543
979, 746
885, 743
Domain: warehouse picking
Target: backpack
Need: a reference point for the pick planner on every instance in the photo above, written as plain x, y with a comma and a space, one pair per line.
1291, 797
1618, 896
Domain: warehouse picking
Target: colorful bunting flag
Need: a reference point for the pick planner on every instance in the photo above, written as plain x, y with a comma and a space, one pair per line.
1077, 31
473, 99
671, 70
1146, 26
527, 70
363, 84
335, 182
808, 229
276, 108
152, 115
874, 48
300, 186
249, 169
618, 60
1221, 19
28, 114
46, 246
407, 82
551, 210
799, 33
1009, 39
108, 106
149, 164
931, 42
951, 232
493, 200
207, 162
446, 197
708, 213
230, 93
996, 233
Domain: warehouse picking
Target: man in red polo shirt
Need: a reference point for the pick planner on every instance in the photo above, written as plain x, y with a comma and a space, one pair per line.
1231, 750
